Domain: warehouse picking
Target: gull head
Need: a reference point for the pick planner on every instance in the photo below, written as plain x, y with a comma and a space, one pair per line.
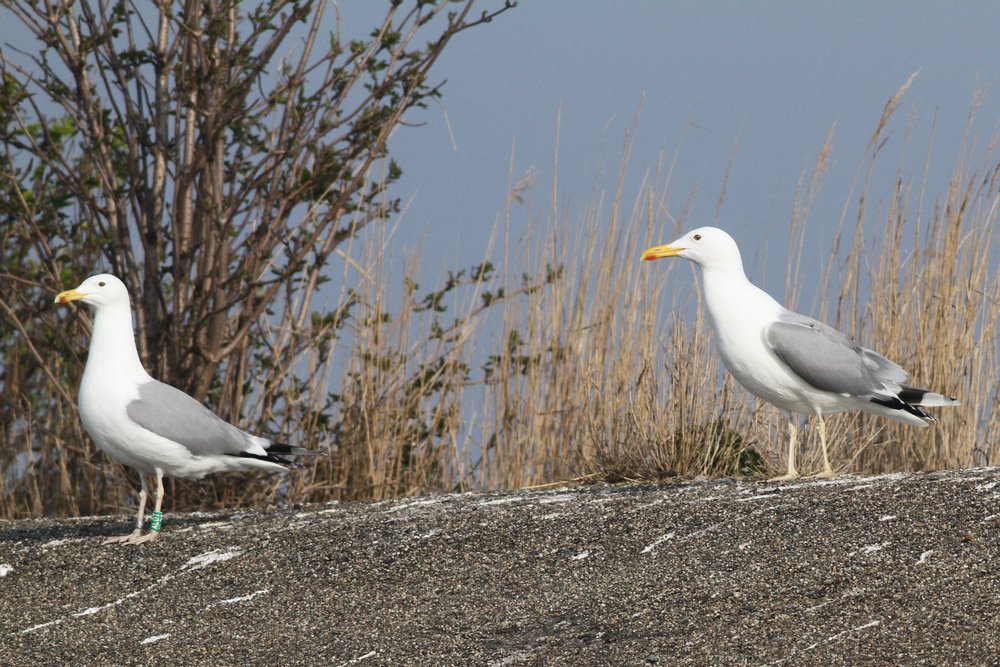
100, 290
708, 247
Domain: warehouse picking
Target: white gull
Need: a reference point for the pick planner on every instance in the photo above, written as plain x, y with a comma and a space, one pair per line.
146, 424
796, 363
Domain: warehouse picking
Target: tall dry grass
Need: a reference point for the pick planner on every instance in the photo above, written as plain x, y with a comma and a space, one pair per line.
570, 359
598, 377
609, 372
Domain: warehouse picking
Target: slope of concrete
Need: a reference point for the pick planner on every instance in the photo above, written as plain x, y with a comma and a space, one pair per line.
887, 570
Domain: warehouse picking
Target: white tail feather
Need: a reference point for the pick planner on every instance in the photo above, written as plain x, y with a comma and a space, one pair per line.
933, 400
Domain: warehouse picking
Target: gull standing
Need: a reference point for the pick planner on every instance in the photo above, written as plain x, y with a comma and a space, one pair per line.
149, 425
793, 362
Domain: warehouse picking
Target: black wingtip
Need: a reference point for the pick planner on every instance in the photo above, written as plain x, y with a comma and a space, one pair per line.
289, 450
925, 397
273, 458
272, 454
897, 403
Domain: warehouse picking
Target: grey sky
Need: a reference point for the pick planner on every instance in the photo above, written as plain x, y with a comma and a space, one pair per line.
756, 83
772, 77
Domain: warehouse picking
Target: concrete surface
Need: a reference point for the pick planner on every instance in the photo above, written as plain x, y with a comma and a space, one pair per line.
888, 570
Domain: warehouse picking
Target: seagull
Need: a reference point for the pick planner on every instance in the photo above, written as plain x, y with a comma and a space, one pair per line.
796, 363
146, 424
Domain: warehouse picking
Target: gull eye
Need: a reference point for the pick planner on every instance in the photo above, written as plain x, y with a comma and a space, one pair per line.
697, 237
100, 284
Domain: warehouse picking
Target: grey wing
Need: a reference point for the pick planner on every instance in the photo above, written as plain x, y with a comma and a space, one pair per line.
827, 359
171, 413
884, 369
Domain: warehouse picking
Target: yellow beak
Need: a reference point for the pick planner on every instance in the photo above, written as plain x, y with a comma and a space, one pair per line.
660, 251
69, 295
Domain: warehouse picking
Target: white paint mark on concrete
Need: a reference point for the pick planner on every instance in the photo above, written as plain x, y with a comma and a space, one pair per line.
580, 556
699, 533
657, 542
196, 563
515, 658
851, 593
763, 496
640, 508
316, 513
858, 483
61, 542
215, 524
560, 498
870, 549
500, 501
889, 477
92, 610
924, 556
154, 639
354, 661
214, 556
860, 487
5, 569
840, 634
829, 639
242, 598
887, 517
42, 625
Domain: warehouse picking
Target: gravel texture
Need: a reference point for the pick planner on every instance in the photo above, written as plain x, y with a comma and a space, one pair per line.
887, 570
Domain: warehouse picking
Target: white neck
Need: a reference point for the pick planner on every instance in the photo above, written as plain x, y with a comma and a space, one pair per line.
733, 302
112, 344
